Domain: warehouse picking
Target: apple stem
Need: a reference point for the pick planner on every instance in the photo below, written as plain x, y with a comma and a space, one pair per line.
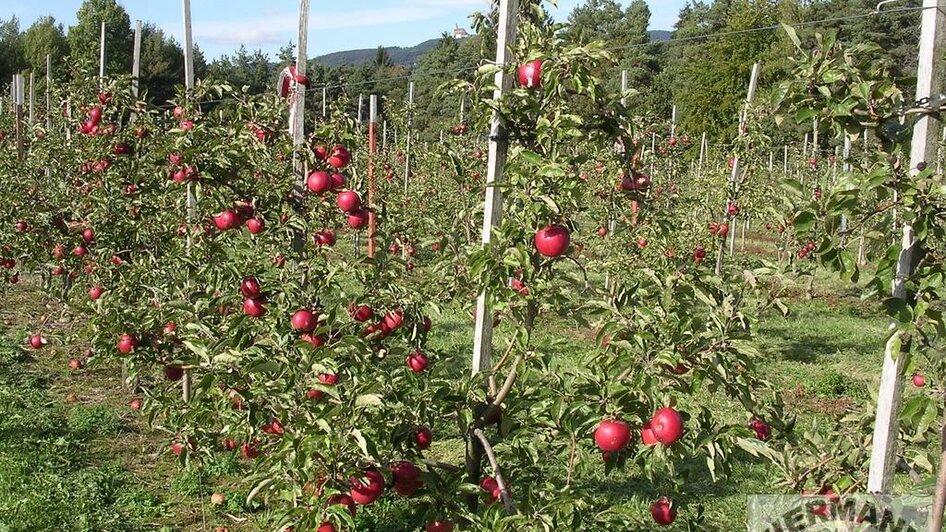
503, 492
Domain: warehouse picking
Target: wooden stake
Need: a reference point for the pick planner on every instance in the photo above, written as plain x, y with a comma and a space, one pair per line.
410, 135
324, 102
925, 134
136, 60
493, 206
297, 113
372, 151
18, 115
736, 167
102, 52
191, 198
49, 93
361, 105
32, 115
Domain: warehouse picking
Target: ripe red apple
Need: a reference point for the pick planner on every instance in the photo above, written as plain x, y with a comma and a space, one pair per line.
552, 241
173, 373
417, 361
667, 425
169, 328
254, 307
339, 158
135, 404
530, 74
491, 487
80, 251
367, 488
439, 526
95, 292
37, 341
344, 500
423, 437
75, 364
723, 230
326, 527
663, 512
328, 379
177, 448
127, 343
250, 287
733, 210
602, 232
406, 478
121, 148
249, 451
304, 320
22, 226
642, 243
229, 444
635, 183
919, 380
348, 201
698, 255
394, 319
315, 340
338, 181
762, 429
95, 115
226, 220
319, 182
321, 152
647, 435
88, 235
361, 313
255, 225
612, 435
358, 219
325, 238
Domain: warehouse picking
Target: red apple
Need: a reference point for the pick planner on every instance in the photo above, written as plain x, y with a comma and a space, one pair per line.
919, 380
321, 152
361, 313
319, 182
250, 287
226, 220
253, 307
647, 435
530, 74
75, 364
423, 437
491, 487
80, 251
255, 225
88, 235
552, 241
417, 361
439, 526
304, 320
339, 158
135, 404
95, 292
663, 512
127, 343
358, 219
249, 451
612, 435
406, 478
173, 373
367, 488
667, 425
348, 201
327, 379
37, 341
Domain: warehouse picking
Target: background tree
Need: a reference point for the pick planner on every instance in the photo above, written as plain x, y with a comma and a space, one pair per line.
44, 37
84, 36
11, 51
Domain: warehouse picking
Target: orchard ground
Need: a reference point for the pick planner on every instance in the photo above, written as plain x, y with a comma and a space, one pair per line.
75, 456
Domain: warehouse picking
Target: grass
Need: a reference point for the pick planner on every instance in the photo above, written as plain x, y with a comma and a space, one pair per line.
74, 457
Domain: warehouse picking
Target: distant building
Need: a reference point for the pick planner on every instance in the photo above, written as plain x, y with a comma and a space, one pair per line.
460, 33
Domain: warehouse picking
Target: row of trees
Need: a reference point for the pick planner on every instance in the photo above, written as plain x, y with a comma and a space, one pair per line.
704, 77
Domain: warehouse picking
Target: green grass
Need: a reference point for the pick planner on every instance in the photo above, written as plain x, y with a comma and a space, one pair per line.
92, 465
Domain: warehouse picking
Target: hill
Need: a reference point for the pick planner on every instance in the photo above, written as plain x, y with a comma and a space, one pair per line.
408, 56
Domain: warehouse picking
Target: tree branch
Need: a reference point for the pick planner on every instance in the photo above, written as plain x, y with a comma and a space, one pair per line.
503, 492
501, 396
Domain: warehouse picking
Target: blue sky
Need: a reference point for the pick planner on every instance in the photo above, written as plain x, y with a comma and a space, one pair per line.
220, 26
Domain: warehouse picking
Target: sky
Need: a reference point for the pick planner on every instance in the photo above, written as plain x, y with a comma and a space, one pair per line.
221, 26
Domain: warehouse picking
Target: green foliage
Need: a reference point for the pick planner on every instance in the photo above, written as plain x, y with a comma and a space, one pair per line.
84, 37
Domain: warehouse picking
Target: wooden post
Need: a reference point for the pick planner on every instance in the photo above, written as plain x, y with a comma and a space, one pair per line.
191, 198
372, 150
32, 114
410, 135
493, 206
102, 52
136, 60
49, 93
736, 168
925, 134
297, 113
703, 150
612, 220
384, 135
361, 105
673, 122
804, 148
324, 102
18, 115
785, 160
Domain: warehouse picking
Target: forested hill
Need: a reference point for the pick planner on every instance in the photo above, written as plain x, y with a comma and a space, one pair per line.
409, 56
